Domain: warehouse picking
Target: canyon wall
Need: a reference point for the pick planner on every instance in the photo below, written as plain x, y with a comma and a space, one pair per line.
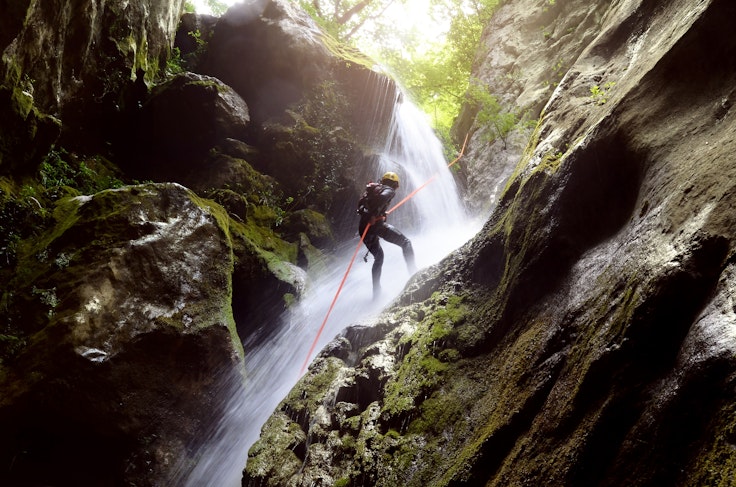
586, 335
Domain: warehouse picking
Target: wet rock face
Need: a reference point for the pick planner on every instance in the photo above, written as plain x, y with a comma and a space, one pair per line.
77, 62
134, 337
283, 59
59, 48
279, 51
181, 121
586, 335
524, 59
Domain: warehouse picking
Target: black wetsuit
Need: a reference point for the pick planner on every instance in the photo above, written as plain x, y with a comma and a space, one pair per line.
375, 208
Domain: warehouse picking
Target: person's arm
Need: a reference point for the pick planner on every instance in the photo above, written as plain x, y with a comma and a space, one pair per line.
384, 198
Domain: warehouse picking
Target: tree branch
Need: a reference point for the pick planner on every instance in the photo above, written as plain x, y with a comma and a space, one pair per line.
317, 7
356, 27
344, 18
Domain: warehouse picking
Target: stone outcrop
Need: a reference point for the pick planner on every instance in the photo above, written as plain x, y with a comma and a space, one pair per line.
521, 63
283, 57
128, 298
181, 121
586, 335
317, 107
76, 62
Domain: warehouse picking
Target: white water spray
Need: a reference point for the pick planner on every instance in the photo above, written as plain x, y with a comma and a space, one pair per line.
435, 222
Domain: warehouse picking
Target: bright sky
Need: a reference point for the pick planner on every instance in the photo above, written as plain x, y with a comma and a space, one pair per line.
413, 15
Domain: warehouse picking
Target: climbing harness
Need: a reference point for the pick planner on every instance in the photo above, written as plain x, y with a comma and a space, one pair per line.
357, 249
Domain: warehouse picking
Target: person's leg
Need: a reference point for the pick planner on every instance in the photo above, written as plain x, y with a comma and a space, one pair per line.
391, 234
374, 247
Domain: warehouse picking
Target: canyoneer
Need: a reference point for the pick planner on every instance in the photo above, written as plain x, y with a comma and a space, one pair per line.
372, 209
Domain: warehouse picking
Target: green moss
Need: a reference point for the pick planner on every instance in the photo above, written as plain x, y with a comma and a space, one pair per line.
262, 239
436, 414
23, 102
30, 265
499, 402
422, 367
715, 463
352, 423
310, 392
217, 211
342, 482
272, 456
137, 51
513, 180
219, 87
347, 53
550, 162
224, 222
348, 442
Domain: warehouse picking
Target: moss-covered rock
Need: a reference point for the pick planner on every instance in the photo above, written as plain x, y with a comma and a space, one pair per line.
82, 62
125, 309
316, 105
311, 223
181, 121
27, 133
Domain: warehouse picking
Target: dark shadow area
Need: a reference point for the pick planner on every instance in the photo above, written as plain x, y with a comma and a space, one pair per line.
623, 376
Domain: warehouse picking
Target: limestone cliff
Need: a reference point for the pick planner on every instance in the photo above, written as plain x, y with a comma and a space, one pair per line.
586, 335
129, 300
67, 69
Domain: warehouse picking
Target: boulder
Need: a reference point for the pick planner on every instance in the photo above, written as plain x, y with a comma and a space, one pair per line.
284, 59
127, 305
279, 51
179, 124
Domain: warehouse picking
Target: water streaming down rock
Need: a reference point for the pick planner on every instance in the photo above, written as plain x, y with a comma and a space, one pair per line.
436, 222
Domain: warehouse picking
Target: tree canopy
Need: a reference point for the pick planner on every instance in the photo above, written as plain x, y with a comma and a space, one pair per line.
344, 18
432, 62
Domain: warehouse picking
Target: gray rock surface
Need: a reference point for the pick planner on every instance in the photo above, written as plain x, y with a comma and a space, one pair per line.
131, 291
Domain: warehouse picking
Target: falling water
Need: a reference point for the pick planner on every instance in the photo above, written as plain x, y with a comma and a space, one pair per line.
435, 222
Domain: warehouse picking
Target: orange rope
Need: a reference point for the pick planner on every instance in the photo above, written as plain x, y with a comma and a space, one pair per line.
334, 300
357, 249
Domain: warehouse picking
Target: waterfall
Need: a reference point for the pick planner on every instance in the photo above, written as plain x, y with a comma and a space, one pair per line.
436, 223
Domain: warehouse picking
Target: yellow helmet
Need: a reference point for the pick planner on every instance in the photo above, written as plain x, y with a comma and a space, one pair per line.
391, 179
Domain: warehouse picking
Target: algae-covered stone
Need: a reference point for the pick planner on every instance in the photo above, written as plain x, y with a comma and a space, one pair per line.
130, 294
313, 224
